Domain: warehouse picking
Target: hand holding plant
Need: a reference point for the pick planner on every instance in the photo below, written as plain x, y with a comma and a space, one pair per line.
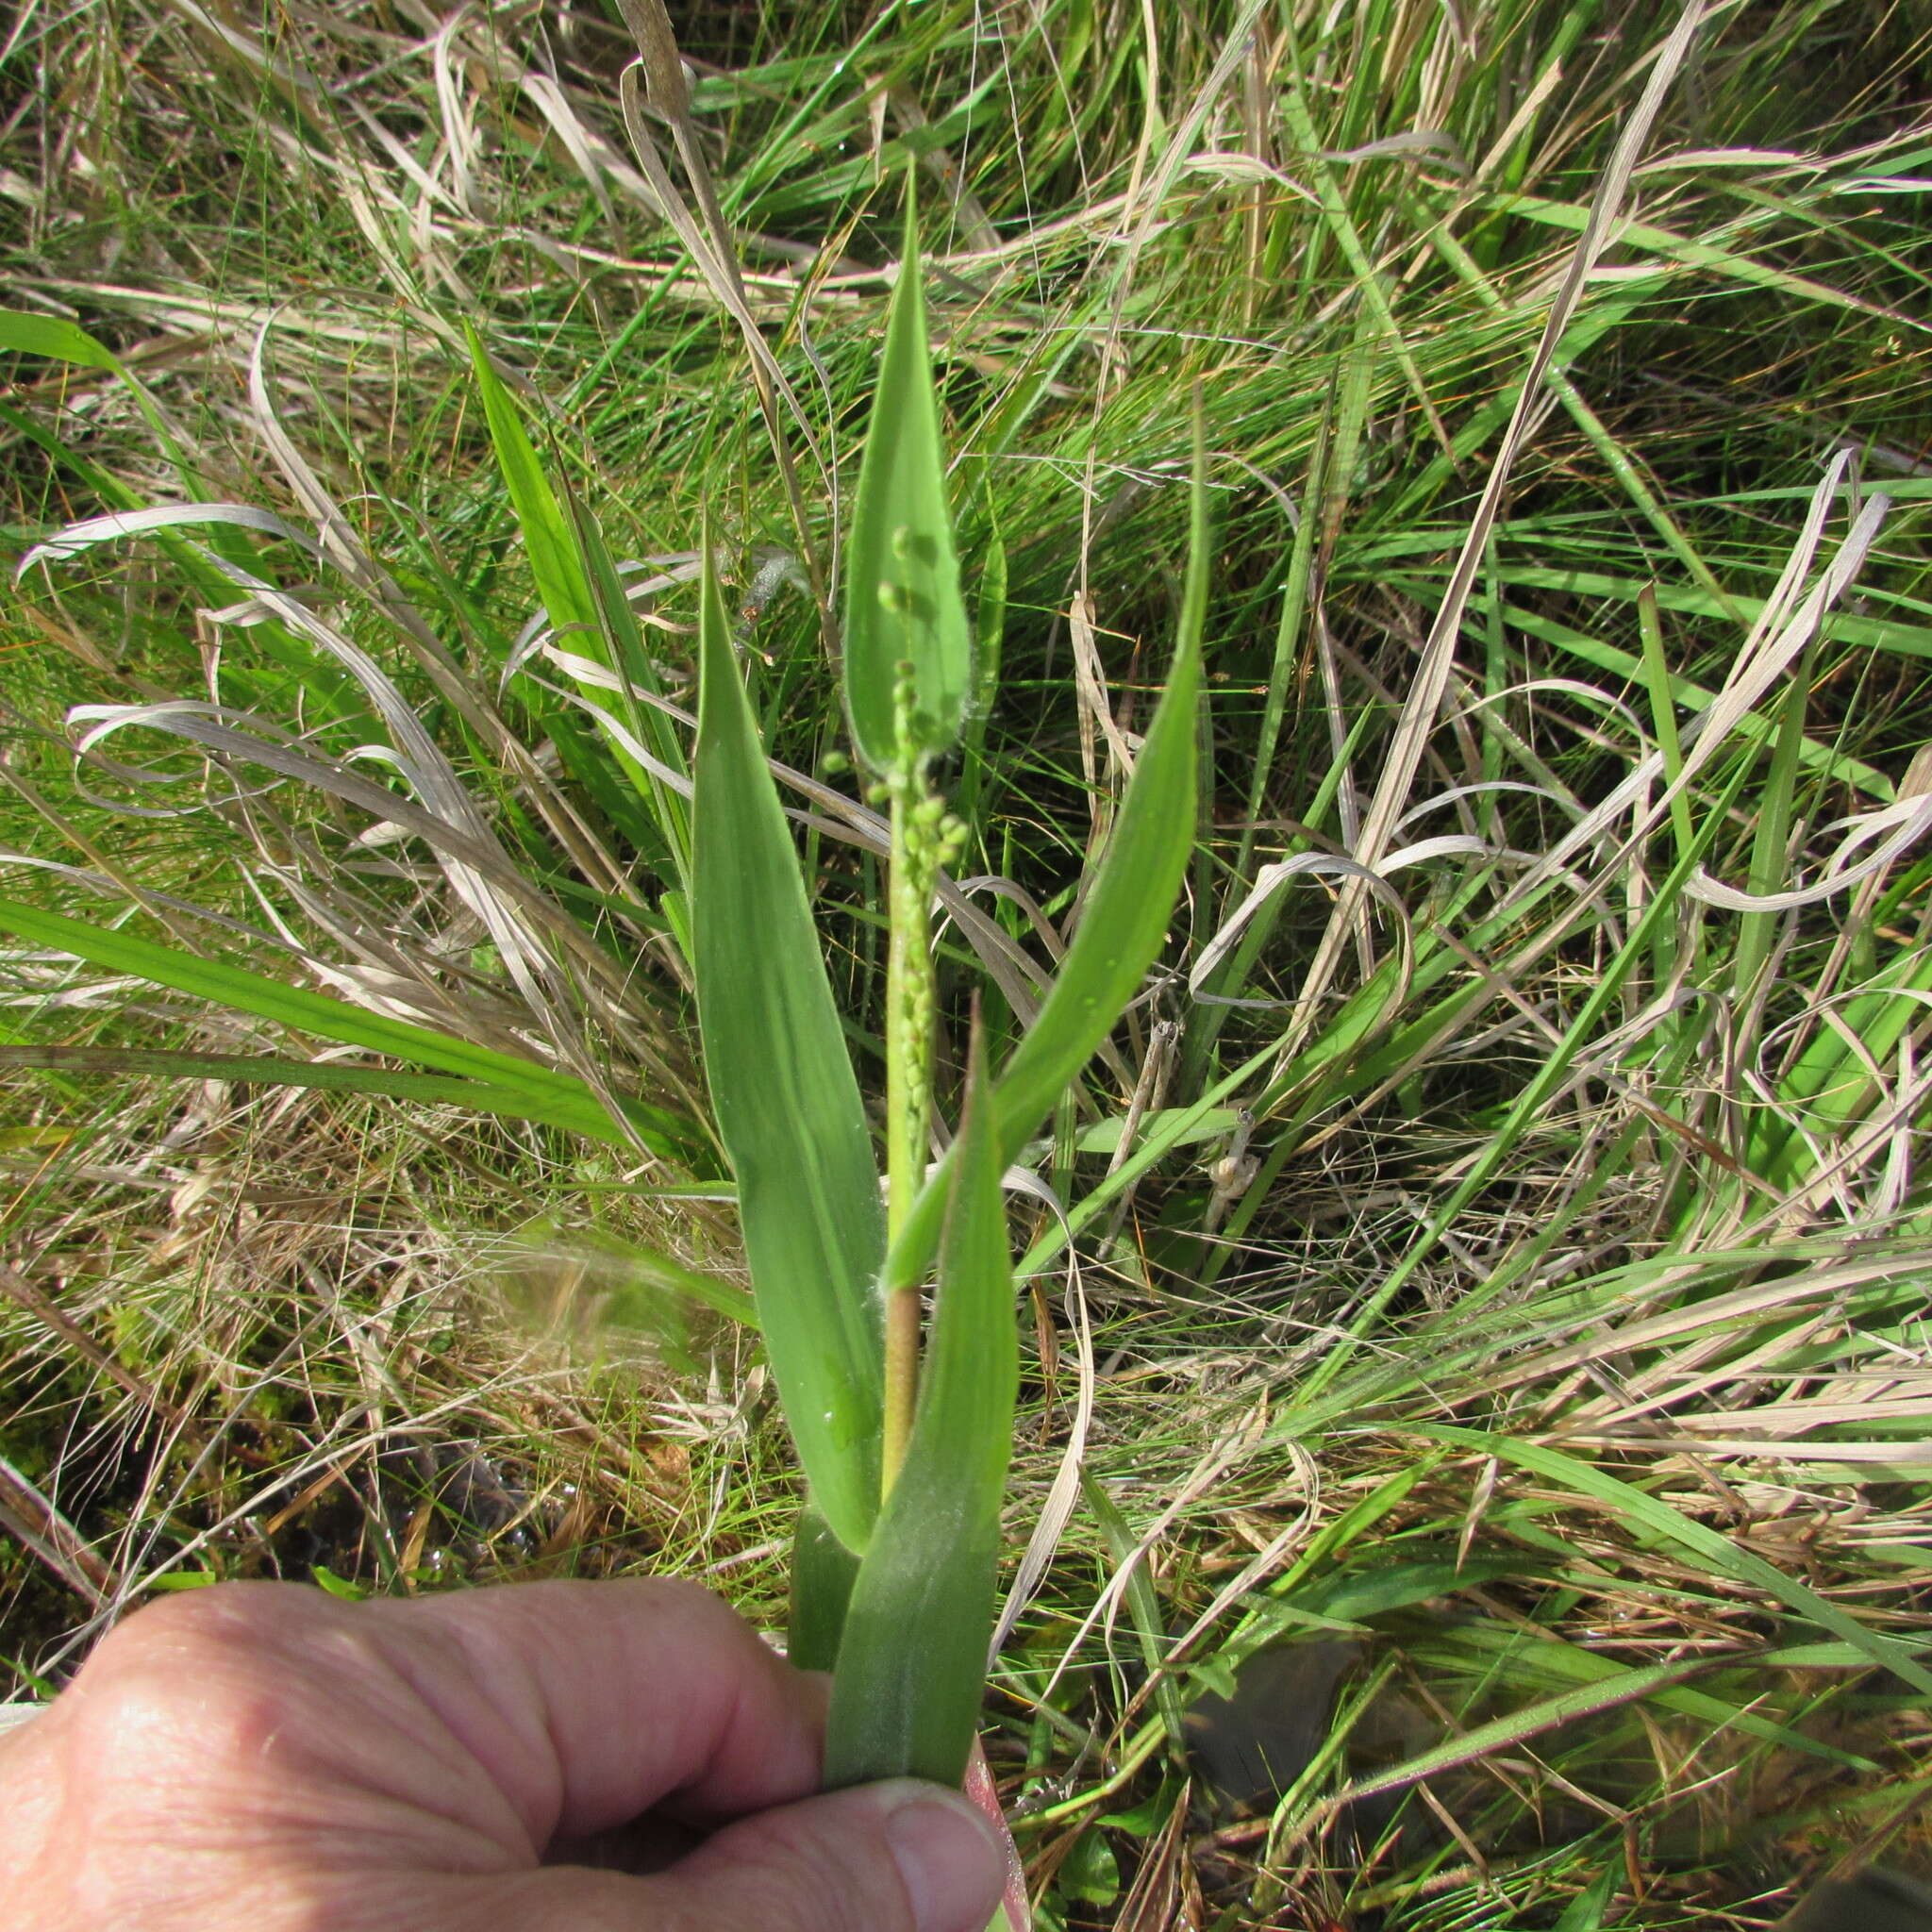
904, 1437
588, 1755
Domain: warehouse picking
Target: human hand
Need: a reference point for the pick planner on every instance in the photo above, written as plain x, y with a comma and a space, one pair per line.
260, 1755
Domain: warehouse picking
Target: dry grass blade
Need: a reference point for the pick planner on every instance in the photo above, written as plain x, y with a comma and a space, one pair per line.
29, 1516
1063, 1492
1755, 674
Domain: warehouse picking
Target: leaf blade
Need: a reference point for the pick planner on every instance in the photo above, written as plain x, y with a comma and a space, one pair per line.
275, 1070
590, 617
1132, 897
1725, 1557
823, 1570
244, 991
911, 1666
55, 338
61, 341
902, 601
787, 1100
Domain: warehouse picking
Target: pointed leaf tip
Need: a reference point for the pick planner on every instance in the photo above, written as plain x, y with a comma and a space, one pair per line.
902, 601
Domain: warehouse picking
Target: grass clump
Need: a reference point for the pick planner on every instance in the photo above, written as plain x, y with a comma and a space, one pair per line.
1481, 1280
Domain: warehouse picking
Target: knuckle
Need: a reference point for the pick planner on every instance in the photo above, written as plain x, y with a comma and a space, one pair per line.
201, 1673
225, 1615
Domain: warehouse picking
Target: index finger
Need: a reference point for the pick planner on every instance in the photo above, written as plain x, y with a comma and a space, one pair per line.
588, 1704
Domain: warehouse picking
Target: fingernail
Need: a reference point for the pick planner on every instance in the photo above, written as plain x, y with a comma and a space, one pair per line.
951, 1865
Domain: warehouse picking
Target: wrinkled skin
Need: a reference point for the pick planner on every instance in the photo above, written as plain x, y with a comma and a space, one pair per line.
550, 1756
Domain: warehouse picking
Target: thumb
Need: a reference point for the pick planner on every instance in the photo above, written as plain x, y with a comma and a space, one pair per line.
896, 1856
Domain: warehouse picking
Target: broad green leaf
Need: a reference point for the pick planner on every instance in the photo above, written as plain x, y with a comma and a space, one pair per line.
903, 602
54, 337
559, 1098
1126, 914
911, 1667
786, 1098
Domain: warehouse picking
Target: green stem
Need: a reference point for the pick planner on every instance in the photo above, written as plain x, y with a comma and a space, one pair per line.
909, 1089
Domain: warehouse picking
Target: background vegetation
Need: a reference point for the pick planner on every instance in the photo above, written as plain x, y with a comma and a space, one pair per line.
1486, 1299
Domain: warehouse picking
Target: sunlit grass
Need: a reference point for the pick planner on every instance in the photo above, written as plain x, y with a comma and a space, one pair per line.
1555, 1326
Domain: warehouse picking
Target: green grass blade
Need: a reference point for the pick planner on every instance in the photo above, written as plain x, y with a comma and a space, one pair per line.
1776, 809
623, 638
545, 530
787, 1100
589, 614
1144, 1609
1501, 1733
912, 1663
1549, 1658
1829, 1086
1585, 1912
1725, 1557
55, 338
272, 1070
1133, 894
1555, 1070
903, 602
564, 1100
61, 340
1663, 712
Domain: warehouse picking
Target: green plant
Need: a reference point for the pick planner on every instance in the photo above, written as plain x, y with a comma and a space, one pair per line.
907, 1462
